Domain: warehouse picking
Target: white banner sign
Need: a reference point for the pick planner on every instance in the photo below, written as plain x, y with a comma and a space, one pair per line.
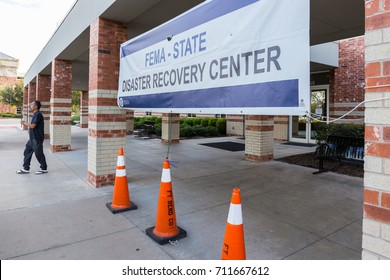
223, 56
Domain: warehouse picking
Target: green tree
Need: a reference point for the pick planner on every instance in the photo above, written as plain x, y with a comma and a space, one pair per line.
12, 95
76, 101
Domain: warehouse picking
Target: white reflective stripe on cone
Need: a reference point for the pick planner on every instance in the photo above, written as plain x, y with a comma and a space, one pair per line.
121, 172
121, 161
235, 214
166, 176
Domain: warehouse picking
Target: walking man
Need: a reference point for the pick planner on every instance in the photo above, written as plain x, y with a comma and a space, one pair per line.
36, 137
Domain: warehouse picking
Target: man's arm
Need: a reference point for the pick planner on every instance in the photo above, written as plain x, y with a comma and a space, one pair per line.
30, 125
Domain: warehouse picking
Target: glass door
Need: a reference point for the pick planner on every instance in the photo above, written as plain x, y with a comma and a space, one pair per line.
298, 129
319, 110
303, 129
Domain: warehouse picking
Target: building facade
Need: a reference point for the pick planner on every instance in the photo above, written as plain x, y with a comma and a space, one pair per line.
8, 77
83, 55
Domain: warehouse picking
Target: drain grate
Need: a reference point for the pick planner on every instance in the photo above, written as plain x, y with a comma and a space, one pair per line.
227, 146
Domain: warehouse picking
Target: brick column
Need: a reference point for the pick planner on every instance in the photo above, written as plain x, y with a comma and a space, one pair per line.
25, 106
170, 128
347, 82
84, 99
376, 217
281, 128
129, 122
259, 138
107, 122
43, 95
235, 125
32, 96
60, 102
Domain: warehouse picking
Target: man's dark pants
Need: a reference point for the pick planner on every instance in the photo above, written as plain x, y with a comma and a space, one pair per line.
33, 146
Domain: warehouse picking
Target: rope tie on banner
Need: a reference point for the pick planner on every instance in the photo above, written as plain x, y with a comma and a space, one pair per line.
332, 120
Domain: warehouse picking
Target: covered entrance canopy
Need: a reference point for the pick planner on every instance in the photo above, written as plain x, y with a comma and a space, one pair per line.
83, 54
330, 20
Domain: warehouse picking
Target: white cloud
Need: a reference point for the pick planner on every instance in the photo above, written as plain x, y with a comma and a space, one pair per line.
22, 3
27, 25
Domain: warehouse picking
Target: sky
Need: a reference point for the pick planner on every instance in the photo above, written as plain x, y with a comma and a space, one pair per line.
27, 25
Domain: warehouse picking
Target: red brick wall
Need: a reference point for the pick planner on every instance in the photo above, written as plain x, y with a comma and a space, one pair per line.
104, 141
43, 95
61, 82
32, 93
106, 36
376, 202
6, 81
347, 84
43, 88
84, 99
5, 108
259, 137
376, 215
60, 102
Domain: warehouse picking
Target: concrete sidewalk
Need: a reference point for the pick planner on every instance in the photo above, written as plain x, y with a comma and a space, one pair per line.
288, 213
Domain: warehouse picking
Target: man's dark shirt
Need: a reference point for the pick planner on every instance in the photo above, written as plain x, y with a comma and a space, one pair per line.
37, 133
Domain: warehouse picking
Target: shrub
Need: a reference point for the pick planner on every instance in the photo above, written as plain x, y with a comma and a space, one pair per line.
158, 129
10, 115
75, 118
150, 118
210, 131
199, 130
189, 122
197, 121
186, 131
137, 125
212, 122
221, 126
204, 122
324, 130
139, 122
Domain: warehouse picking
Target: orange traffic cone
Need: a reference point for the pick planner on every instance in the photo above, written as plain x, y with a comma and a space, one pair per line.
166, 229
120, 198
234, 244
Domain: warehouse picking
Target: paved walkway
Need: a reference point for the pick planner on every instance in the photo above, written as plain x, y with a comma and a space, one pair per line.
288, 213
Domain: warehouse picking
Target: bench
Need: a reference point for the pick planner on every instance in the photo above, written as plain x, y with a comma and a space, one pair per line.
146, 129
341, 148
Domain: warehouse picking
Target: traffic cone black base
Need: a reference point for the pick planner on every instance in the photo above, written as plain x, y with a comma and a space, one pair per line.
120, 198
120, 210
164, 240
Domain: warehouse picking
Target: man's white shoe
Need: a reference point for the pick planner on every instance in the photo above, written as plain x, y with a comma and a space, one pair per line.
40, 172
